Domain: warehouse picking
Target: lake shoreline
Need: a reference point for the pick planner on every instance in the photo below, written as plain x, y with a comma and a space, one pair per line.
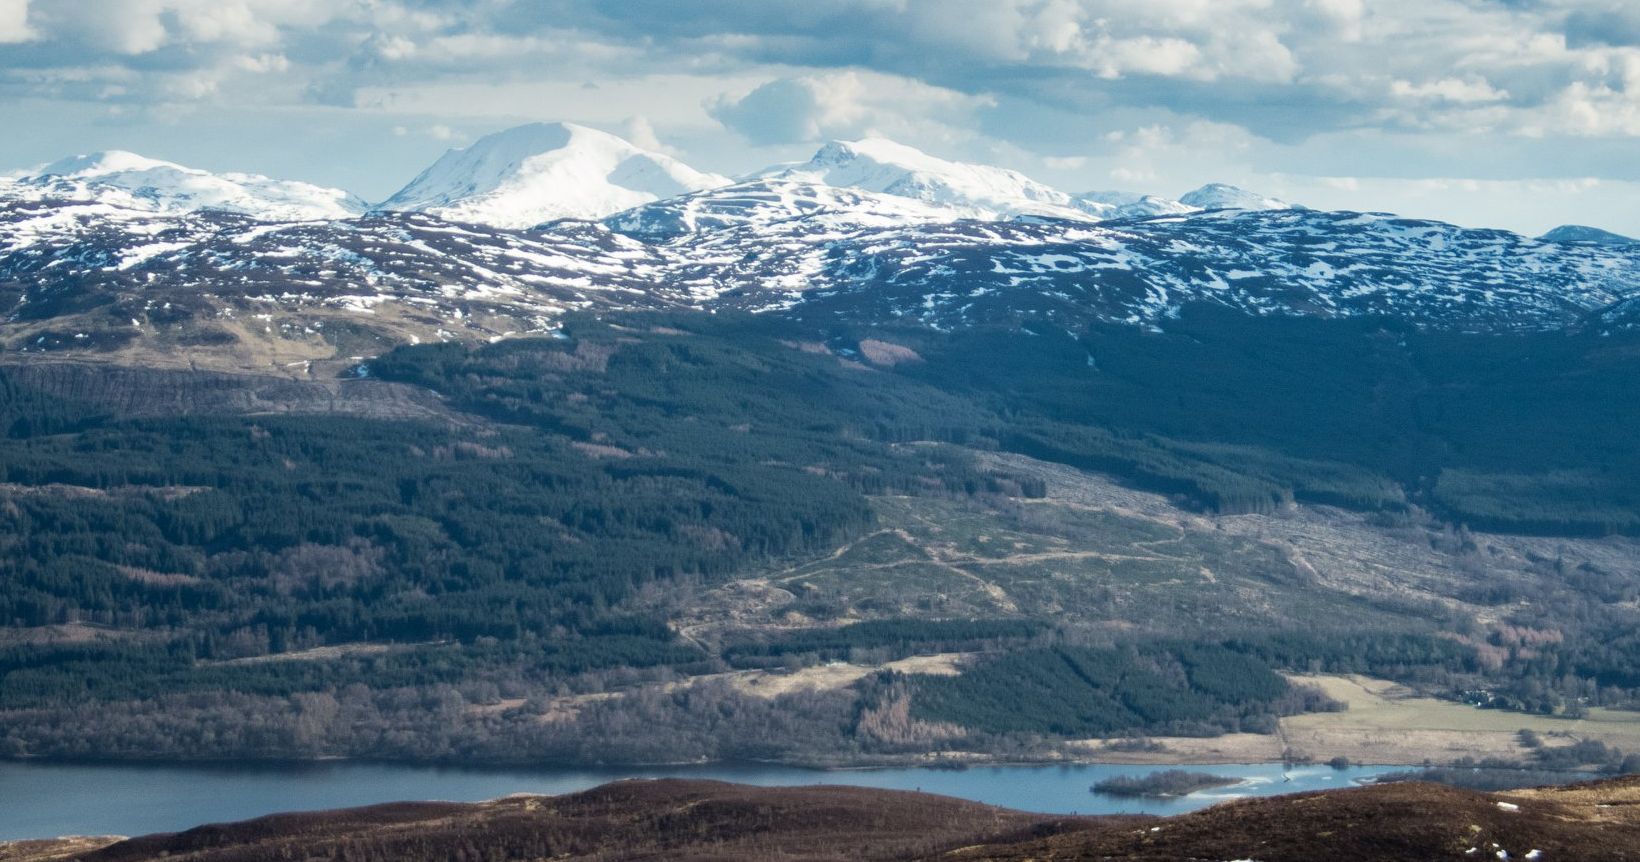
130, 798
951, 761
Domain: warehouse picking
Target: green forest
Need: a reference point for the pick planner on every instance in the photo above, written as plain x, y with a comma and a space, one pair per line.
510, 542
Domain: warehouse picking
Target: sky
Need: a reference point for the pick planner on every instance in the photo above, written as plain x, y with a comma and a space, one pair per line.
1519, 114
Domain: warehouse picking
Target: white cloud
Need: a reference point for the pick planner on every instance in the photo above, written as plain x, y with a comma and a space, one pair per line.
1146, 55
263, 63
390, 47
1531, 205
115, 26
1342, 18
14, 22
845, 105
1198, 89
1463, 91
640, 132
1191, 153
142, 26
1583, 109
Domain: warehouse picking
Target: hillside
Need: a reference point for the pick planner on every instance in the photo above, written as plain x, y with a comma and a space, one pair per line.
551, 547
95, 281
690, 820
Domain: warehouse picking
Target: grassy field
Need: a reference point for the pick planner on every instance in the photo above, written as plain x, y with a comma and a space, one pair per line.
1387, 724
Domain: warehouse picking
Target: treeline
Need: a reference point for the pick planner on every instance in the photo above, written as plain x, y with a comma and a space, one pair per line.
350, 530
600, 463
1225, 479
1511, 432
723, 391
1177, 687
1404, 656
452, 723
43, 676
510, 539
1154, 689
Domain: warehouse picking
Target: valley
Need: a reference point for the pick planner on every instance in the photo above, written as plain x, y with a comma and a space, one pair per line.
876, 459
819, 429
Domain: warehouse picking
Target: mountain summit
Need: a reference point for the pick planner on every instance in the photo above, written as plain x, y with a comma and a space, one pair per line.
988, 193
1219, 196
532, 174
1584, 233
882, 166
129, 180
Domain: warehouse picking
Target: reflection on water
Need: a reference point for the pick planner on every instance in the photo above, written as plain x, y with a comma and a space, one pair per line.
42, 800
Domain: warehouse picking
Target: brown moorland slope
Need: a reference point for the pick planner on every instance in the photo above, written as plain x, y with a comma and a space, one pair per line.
628, 820
1383, 823
699, 820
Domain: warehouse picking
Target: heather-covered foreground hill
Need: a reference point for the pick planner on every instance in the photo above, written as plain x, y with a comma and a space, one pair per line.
699, 820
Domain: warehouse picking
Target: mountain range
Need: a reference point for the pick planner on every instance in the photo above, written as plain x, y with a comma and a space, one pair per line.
127, 180
114, 254
1132, 464
541, 172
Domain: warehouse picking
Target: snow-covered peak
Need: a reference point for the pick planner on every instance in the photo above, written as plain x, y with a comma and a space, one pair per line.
974, 191
1109, 205
126, 179
1584, 233
93, 166
1219, 196
536, 173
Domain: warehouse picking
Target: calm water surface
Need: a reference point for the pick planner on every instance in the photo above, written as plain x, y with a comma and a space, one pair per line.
43, 800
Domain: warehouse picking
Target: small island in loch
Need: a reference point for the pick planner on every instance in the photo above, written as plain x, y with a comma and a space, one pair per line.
1168, 783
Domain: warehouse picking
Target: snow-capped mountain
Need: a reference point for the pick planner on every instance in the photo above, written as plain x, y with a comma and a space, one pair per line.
1114, 205
1584, 233
1293, 262
1218, 196
93, 278
876, 183
218, 289
989, 193
124, 179
120, 256
533, 174
967, 190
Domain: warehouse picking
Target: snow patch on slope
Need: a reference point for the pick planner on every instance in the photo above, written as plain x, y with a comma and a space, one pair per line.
776, 207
